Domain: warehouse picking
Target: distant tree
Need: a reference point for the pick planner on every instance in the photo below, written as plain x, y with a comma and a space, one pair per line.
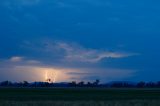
47, 84
25, 83
96, 83
89, 84
73, 84
128, 85
20, 84
81, 84
141, 84
6, 83
150, 85
117, 85
158, 84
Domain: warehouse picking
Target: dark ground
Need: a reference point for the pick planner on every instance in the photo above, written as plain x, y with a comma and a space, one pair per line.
74, 94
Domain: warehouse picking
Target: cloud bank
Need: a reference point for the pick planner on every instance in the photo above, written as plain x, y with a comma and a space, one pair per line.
16, 59
24, 67
79, 53
73, 52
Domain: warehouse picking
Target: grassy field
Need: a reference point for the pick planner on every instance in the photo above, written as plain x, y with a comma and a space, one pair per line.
78, 97
83, 103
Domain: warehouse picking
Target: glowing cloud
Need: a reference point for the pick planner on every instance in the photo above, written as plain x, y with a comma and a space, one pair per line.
75, 52
16, 59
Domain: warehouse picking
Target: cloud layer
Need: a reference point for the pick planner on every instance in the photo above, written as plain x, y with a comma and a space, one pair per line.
60, 52
96, 26
73, 52
21, 72
81, 54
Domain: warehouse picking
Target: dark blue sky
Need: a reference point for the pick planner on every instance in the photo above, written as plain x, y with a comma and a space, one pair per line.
80, 39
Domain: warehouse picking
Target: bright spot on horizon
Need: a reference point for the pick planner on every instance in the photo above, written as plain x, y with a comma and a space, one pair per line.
51, 75
46, 75
39, 74
54, 74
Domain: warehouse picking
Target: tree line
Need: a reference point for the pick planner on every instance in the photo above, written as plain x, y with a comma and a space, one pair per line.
96, 83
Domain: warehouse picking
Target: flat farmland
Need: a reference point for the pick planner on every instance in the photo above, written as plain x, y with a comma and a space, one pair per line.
79, 97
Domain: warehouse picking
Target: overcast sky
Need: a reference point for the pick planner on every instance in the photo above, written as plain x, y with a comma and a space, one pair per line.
110, 40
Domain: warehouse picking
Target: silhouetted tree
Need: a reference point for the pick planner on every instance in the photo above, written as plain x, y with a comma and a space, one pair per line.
25, 83
117, 85
158, 84
73, 84
96, 82
89, 84
6, 83
150, 85
81, 84
141, 84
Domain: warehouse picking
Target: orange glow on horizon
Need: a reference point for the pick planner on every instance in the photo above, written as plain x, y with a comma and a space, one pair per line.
41, 74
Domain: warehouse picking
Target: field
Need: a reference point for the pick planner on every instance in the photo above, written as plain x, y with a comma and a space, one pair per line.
79, 97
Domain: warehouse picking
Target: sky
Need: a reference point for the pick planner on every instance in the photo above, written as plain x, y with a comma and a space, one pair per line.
79, 40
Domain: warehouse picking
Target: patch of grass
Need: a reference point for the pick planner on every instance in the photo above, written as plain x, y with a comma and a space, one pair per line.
74, 94
83, 103
78, 97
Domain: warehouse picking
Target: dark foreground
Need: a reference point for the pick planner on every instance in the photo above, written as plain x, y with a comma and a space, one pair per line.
79, 97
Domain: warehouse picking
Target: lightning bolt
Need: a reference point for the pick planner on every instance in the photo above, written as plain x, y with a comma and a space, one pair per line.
55, 76
46, 75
